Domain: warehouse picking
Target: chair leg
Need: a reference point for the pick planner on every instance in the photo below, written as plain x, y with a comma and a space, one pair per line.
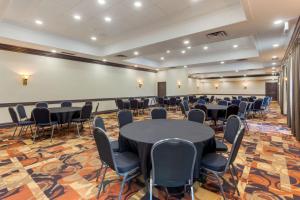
101, 183
77, 129
90, 126
15, 131
192, 192
122, 186
150, 189
235, 171
52, 131
99, 172
21, 130
35, 133
31, 130
26, 130
234, 182
220, 185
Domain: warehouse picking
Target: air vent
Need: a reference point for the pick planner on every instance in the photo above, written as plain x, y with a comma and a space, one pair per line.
121, 56
242, 60
217, 35
66, 53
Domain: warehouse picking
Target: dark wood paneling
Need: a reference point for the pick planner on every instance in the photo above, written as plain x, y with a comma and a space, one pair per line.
26, 50
161, 89
272, 90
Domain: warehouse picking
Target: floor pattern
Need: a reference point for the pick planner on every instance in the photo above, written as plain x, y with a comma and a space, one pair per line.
268, 165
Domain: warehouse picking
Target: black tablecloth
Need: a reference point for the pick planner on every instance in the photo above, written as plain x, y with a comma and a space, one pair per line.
215, 110
64, 114
139, 137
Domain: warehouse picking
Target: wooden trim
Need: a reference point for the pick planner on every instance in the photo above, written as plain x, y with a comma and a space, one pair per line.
294, 40
239, 76
19, 49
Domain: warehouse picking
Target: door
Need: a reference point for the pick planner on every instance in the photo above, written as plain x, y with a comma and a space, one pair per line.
161, 89
272, 90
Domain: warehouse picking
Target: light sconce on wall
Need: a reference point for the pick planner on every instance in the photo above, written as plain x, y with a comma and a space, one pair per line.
216, 86
140, 83
245, 84
179, 84
285, 78
25, 78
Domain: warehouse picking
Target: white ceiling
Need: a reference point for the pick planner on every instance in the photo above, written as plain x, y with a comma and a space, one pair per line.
158, 26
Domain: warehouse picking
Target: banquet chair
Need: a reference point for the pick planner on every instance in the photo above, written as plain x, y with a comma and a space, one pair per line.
159, 113
119, 104
21, 112
243, 113
256, 107
223, 103
172, 103
226, 99
218, 165
196, 115
231, 110
171, 169
146, 104
42, 119
230, 131
183, 111
201, 101
236, 102
88, 103
85, 116
94, 114
23, 124
125, 164
134, 105
186, 105
66, 104
124, 117
212, 98
41, 105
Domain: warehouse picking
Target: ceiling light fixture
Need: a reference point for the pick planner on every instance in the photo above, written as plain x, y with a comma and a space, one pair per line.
275, 45
168, 51
186, 42
276, 22
77, 17
235, 46
137, 4
107, 19
273, 68
162, 58
53, 51
39, 22
274, 57
104, 60
185, 66
136, 53
93, 38
222, 62
183, 51
102, 2
245, 75
157, 69
274, 63
205, 47
236, 70
135, 65
189, 47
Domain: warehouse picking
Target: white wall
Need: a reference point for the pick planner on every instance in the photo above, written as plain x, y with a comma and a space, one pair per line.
59, 79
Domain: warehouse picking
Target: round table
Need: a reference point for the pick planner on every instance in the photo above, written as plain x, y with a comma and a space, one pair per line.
64, 114
139, 137
215, 110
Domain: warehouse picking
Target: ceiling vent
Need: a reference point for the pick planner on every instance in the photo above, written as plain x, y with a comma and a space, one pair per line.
217, 35
121, 56
66, 53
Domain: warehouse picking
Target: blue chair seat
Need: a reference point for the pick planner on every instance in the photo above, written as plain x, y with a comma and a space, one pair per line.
126, 161
79, 120
114, 145
48, 124
214, 161
26, 123
220, 146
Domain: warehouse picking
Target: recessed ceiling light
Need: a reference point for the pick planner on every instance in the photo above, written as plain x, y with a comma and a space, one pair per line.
136, 53
189, 47
275, 45
276, 22
135, 65
235, 46
77, 17
222, 62
137, 4
53, 51
102, 2
93, 38
274, 63
104, 60
39, 22
162, 58
236, 70
183, 51
168, 51
157, 69
274, 57
185, 66
205, 47
186, 42
107, 19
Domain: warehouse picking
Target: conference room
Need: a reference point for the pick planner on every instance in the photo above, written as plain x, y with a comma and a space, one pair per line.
150, 99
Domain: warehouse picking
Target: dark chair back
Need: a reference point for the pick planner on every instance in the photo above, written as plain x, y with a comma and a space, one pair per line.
186, 105
104, 149
88, 103
203, 108
243, 108
236, 102
226, 98
265, 102
99, 123
201, 101
182, 162
235, 147
41, 116
158, 113
172, 101
41, 105
232, 110
244, 99
234, 98
86, 111
124, 117
96, 109
212, 98
183, 111
251, 99
119, 104
66, 104
146, 103
134, 104
240, 97
223, 103
232, 128
257, 104
13, 115
196, 115
161, 101
21, 111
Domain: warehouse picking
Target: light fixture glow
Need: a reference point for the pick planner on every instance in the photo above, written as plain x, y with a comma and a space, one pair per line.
274, 63
39, 22
93, 38
162, 58
222, 62
236, 70
274, 57
205, 47
157, 69
189, 47
77, 17
137, 4
183, 51
186, 42
185, 66
245, 75
107, 19
102, 2
275, 45
276, 22
235, 46
104, 60
168, 51
53, 51
136, 53
273, 68
135, 65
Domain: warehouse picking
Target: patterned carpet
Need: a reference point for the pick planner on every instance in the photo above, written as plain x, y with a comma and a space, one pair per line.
268, 163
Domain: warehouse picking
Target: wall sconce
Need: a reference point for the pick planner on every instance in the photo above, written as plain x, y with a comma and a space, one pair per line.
216, 86
245, 84
179, 84
140, 83
285, 78
25, 78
